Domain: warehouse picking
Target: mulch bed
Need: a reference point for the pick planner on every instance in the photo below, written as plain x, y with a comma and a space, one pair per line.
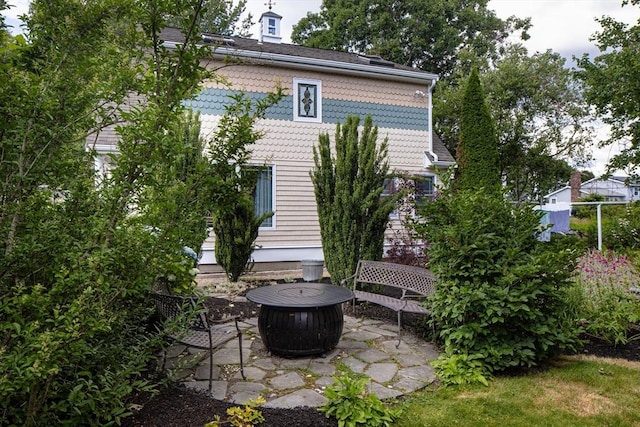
175, 405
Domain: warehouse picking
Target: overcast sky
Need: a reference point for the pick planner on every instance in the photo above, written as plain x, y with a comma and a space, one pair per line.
564, 26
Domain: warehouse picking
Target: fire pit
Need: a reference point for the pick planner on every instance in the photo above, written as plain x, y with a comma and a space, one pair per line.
299, 319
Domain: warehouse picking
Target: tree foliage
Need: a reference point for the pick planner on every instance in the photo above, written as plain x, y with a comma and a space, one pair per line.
219, 17
477, 153
348, 187
80, 251
611, 85
235, 222
539, 115
429, 35
500, 300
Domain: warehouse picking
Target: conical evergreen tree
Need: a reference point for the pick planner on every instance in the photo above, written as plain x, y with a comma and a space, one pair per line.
353, 215
477, 154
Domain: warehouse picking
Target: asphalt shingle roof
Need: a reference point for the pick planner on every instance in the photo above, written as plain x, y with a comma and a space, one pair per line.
293, 50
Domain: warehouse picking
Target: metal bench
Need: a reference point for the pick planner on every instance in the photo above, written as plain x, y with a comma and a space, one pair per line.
416, 283
198, 331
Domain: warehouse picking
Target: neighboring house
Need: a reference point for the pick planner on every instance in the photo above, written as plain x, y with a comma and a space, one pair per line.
612, 189
322, 87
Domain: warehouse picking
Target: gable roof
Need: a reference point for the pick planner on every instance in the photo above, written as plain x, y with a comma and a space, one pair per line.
559, 190
440, 150
295, 56
590, 185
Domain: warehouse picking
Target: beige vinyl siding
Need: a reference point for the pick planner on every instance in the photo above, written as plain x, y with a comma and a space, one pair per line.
296, 214
287, 140
257, 78
289, 145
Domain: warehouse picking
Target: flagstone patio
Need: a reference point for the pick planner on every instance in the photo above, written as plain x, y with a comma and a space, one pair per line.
367, 347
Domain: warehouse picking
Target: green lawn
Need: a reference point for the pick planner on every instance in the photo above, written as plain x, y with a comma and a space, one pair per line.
573, 392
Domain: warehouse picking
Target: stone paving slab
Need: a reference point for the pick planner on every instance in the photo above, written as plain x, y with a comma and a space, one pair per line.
367, 346
303, 397
381, 372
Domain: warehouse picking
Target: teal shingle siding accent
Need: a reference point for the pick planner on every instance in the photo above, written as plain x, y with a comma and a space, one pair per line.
212, 101
383, 115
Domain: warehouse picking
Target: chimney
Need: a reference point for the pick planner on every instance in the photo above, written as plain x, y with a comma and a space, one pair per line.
575, 182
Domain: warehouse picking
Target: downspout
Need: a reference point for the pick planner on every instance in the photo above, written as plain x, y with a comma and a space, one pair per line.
430, 117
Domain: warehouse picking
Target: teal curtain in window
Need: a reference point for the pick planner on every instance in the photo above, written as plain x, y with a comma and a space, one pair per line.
264, 195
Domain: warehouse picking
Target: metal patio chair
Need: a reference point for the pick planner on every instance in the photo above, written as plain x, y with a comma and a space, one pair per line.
200, 332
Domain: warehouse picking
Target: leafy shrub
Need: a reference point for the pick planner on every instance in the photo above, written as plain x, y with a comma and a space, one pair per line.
246, 416
352, 405
403, 246
623, 231
461, 368
235, 222
78, 258
501, 293
403, 249
588, 211
608, 310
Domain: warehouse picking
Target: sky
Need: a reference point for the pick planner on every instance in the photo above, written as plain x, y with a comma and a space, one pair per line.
564, 26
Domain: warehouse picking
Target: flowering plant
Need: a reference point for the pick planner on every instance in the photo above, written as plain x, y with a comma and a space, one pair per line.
609, 310
181, 271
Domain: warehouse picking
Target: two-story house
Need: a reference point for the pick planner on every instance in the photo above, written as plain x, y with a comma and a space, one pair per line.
322, 87
612, 189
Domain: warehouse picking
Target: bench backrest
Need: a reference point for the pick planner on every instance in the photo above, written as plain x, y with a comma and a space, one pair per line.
415, 279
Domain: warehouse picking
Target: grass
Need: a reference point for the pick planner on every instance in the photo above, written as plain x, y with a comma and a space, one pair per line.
575, 391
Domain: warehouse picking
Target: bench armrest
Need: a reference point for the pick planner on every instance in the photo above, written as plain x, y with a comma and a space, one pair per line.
346, 279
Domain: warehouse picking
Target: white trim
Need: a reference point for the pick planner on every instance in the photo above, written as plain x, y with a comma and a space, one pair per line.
272, 254
318, 100
104, 148
273, 196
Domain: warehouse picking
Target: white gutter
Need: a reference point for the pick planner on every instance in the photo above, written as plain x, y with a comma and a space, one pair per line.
304, 63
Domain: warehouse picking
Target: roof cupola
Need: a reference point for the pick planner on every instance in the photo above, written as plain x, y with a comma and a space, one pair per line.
270, 26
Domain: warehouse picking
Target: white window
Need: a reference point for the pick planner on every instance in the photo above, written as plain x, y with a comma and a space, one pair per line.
271, 26
103, 164
307, 100
264, 195
391, 188
554, 200
424, 189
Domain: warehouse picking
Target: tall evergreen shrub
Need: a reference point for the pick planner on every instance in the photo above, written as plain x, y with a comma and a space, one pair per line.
477, 155
235, 222
348, 187
236, 230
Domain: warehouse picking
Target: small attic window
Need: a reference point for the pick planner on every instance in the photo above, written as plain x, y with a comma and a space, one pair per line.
307, 100
271, 26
